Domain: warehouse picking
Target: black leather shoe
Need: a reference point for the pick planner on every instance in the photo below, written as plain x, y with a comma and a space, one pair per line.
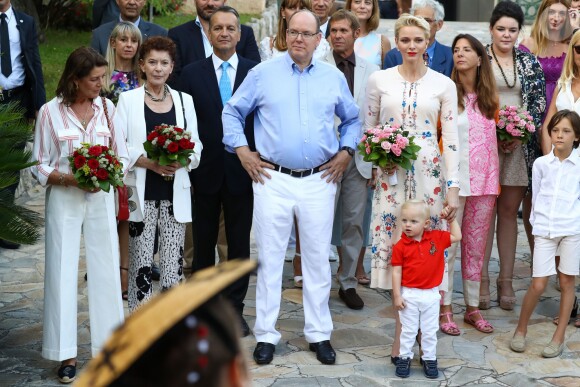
264, 353
351, 298
324, 352
245, 328
9, 245
155, 273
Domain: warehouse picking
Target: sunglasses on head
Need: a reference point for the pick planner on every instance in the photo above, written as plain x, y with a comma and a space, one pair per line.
577, 49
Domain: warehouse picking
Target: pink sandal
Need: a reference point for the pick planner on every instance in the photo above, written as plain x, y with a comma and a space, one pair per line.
449, 327
481, 325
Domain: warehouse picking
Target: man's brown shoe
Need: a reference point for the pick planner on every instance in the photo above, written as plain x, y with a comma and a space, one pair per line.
351, 298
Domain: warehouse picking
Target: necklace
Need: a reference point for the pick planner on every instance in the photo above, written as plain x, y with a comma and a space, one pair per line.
157, 99
501, 69
84, 121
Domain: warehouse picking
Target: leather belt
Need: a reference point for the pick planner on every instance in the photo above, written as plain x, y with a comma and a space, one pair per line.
6, 95
299, 173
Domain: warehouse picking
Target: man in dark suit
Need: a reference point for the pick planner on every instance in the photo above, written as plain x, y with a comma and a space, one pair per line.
104, 11
130, 11
192, 39
438, 56
21, 79
220, 180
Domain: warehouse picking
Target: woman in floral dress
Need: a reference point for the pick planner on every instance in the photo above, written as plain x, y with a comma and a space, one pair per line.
416, 97
122, 75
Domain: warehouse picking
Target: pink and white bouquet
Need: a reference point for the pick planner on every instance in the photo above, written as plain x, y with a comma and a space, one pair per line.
388, 145
515, 123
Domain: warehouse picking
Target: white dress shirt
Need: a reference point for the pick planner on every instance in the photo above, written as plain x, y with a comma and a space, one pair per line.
16, 79
556, 196
207, 47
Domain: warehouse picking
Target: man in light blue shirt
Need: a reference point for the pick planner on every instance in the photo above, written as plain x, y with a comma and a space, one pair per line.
297, 162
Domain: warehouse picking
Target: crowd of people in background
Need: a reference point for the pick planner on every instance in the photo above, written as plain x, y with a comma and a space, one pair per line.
276, 125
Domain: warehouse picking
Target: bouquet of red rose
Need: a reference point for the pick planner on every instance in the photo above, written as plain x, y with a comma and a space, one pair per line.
96, 166
515, 123
167, 144
388, 145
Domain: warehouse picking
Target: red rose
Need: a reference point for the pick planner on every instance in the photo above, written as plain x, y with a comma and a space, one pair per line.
102, 174
173, 147
161, 140
151, 136
109, 158
95, 150
80, 162
104, 148
93, 164
76, 153
191, 145
184, 143
178, 130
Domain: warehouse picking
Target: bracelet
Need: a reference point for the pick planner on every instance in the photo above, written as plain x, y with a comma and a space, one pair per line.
61, 180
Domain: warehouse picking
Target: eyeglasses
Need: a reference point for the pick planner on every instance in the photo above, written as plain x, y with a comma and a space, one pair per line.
305, 35
577, 49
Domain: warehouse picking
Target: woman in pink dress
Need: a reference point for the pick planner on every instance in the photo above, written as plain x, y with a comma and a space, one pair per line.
478, 174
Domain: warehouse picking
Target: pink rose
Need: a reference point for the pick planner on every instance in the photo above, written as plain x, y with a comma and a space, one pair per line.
386, 145
368, 150
501, 124
396, 150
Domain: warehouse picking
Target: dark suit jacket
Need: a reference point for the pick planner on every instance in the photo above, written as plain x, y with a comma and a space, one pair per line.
189, 43
104, 11
34, 82
442, 59
101, 35
216, 165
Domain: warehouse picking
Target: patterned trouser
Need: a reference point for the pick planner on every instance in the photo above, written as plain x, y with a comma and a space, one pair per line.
141, 248
474, 216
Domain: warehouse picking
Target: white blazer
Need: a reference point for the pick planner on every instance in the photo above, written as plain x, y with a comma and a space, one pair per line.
130, 118
362, 71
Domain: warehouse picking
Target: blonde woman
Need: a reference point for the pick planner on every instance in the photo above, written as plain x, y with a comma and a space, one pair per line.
370, 45
122, 75
413, 96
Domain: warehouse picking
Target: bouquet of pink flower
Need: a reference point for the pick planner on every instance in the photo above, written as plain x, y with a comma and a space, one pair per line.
167, 144
96, 166
515, 123
388, 145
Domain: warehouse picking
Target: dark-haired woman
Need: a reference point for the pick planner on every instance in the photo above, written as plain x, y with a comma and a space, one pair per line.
153, 199
77, 115
520, 82
478, 171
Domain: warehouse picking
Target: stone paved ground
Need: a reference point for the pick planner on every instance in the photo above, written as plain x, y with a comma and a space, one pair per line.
362, 338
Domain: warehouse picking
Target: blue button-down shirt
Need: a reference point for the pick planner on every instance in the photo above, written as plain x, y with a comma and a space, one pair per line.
294, 112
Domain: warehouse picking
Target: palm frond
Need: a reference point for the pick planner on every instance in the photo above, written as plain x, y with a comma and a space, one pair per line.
21, 224
18, 224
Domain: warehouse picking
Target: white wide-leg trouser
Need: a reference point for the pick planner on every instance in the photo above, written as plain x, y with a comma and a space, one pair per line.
70, 211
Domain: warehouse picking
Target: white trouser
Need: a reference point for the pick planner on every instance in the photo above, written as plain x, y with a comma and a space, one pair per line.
421, 311
276, 202
68, 212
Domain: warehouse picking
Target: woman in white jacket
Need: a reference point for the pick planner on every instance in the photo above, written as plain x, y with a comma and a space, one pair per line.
154, 200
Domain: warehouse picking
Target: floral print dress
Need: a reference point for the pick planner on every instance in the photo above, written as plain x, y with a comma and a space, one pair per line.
121, 81
417, 107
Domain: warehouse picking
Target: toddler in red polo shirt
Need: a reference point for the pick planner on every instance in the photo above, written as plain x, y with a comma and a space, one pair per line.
418, 265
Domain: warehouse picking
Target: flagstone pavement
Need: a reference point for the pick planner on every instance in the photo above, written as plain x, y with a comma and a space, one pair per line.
362, 338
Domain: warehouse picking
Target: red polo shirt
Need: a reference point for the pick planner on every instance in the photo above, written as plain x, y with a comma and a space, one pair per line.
423, 262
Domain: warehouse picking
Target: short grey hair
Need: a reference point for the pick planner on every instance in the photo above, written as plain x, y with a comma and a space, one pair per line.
433, 4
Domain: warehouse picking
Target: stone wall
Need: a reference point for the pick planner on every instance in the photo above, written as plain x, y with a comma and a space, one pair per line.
268, 23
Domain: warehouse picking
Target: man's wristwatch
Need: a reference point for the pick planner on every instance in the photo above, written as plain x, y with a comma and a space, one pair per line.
349, 150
